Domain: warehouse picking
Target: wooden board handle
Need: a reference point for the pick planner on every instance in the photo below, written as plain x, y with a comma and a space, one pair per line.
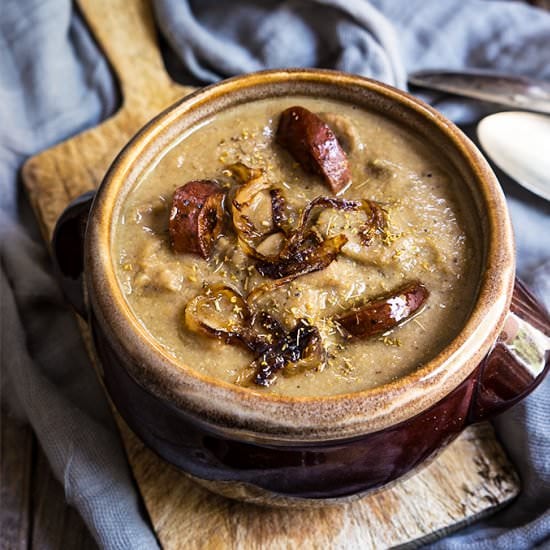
125, 31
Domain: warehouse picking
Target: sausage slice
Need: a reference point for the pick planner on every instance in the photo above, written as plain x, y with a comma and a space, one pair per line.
386, 312
313, 144
196, 217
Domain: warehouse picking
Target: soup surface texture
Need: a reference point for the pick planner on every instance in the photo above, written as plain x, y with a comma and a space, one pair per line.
428, 237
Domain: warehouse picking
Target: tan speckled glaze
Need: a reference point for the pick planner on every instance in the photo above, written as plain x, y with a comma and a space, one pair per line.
250, 415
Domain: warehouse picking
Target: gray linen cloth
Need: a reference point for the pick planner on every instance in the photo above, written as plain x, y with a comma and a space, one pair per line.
54, 82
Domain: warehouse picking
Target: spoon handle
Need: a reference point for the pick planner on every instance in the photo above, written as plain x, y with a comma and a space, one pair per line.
518, 92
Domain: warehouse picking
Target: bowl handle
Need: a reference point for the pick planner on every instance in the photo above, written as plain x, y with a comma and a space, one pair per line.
519, 360
68, 250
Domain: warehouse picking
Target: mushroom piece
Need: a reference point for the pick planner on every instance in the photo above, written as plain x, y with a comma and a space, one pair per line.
386, 312
251, 209
196, 217
313, 144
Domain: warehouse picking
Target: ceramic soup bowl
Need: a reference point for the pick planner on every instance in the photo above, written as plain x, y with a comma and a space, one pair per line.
311, 450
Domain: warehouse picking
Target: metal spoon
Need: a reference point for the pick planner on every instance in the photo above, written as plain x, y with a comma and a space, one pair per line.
513, 91
519, 144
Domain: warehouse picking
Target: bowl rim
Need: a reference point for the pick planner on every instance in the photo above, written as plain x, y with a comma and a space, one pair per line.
260, 416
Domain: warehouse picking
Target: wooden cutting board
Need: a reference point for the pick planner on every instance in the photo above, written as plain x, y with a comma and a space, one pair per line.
470, 479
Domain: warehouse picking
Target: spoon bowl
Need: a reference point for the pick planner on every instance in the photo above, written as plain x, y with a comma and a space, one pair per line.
519, 144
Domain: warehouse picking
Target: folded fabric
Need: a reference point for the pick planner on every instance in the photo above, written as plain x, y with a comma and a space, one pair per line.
54, 82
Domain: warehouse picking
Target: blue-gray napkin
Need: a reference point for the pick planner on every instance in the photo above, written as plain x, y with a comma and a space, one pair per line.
54, 82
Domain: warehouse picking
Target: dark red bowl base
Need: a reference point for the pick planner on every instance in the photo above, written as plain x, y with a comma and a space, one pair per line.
332, 469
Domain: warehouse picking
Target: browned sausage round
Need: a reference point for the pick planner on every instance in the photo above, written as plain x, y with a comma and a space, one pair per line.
313, 144
385, 312
196, 217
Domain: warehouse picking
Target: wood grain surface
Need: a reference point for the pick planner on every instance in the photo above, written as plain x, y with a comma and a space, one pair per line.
471, 478
125, 30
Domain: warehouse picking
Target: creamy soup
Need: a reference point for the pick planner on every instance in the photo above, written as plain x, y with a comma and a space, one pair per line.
399, 221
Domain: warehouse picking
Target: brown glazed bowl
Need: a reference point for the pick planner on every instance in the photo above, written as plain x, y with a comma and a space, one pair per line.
305, 451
